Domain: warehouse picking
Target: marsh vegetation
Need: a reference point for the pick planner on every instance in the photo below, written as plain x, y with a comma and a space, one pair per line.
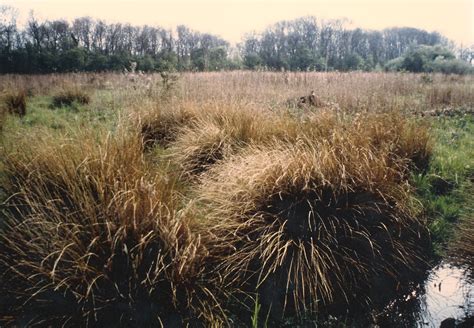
205, 199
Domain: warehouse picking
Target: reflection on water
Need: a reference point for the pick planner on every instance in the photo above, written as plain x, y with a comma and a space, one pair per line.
448, 293
445, 298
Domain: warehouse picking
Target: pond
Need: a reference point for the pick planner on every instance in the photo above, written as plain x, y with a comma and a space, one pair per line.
444, 299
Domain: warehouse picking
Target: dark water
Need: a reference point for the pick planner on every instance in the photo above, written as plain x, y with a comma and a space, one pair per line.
445, 297
448, 293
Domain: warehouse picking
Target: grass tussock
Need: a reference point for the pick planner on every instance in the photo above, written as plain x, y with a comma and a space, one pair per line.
70, 95
309, 223
403, 138
199, 146
93, 238
161, 126
14, 102
218, 133
210, 135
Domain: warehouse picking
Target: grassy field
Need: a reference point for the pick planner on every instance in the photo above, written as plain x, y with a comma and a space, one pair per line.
223, 199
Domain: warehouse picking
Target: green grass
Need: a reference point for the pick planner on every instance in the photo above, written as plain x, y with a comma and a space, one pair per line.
101, 112
443, 189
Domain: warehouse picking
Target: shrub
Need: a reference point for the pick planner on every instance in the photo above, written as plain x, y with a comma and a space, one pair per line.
93, 239
429, 59
68, 96
14, 102
395, 64
450, 66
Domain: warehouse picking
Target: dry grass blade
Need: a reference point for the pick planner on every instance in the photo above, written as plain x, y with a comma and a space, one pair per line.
14, 102
309, 223
93, 232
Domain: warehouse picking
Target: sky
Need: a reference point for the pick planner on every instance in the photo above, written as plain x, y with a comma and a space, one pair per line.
231, 19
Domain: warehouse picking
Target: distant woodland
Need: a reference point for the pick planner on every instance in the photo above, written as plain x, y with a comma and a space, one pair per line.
304, 44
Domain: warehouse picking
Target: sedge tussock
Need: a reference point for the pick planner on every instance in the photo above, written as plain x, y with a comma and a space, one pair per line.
310, 223
406, 139
218, 134
68, 95
13, 102
94, 238
160, 126
462, 249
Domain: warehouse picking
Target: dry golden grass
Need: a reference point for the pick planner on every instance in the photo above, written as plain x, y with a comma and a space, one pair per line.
204, 139
222, 130
13, 102
303, 207
353, 92
462, 249
93, 237
402, 138
160, 125
309, 222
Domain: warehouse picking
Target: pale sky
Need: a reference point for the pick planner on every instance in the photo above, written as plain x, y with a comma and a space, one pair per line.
232, 18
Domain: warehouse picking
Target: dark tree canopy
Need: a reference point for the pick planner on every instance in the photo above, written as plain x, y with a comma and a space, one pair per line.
307, 43
424, 58
94, 45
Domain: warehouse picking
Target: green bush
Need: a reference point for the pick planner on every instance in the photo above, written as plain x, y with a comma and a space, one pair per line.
450, 66
394, 64
429, 59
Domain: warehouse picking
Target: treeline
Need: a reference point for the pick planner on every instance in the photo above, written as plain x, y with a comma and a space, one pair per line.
311, 44
86, 44
93, 45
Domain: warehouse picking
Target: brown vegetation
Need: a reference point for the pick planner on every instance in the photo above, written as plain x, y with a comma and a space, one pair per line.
160, 127
308, 222
304, 207
91, 232
309, 101
14, 102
